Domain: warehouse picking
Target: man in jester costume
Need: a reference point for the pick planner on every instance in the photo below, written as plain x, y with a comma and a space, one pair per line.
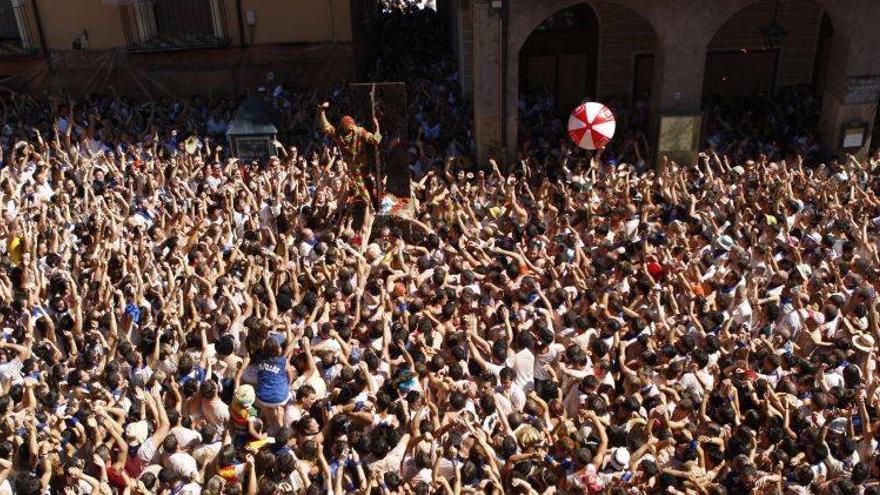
355, 143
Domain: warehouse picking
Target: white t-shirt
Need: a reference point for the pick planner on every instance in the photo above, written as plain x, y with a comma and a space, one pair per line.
549, 358
190, 489
315, 381
203, 454
690, 382
147, 451
495, 369
11, 371
185, 436
391, 461
213, 182
216, 411
515, 395
184, 465
503, 405
524, 367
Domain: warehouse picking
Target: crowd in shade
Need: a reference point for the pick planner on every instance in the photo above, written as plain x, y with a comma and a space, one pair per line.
544, 140
184, 322
778, 126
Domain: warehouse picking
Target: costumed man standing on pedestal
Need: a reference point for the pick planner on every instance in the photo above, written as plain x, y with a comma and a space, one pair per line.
355, 143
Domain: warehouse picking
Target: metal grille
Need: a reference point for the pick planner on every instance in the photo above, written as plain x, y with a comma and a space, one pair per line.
16, 36
156, 25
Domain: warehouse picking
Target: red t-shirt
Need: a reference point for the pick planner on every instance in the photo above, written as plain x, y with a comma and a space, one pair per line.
116, 479
134, 466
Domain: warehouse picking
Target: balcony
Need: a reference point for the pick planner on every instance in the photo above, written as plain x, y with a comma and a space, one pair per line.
16, 38
164, 25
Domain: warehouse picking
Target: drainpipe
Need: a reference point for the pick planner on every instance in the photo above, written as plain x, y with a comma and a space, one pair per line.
332, 20
240, 24
505, 10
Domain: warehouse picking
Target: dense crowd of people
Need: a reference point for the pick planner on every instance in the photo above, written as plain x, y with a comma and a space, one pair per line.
543, 132
778, 126
178, 321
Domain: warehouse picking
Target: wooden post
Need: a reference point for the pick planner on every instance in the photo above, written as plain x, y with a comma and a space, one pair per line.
378, 167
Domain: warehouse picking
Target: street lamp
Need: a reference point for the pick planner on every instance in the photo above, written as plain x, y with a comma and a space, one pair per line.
496, 6
773, 34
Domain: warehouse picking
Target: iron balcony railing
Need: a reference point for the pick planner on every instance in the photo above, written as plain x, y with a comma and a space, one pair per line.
17, 38
158, 25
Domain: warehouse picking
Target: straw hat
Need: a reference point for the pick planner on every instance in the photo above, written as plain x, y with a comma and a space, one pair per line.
863, 342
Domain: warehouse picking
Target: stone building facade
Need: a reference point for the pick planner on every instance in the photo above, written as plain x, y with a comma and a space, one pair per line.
675, 50
152, 48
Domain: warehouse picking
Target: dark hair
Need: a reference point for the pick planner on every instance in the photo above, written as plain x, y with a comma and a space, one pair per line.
225, 345
860, 473
167, 475
392, 480
149, 480
27, 484
208, 431
170, 444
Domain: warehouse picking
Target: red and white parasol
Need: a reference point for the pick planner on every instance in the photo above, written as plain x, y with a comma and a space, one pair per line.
591, 125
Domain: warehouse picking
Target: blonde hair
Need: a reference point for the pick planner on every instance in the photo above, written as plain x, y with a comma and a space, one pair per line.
214, 486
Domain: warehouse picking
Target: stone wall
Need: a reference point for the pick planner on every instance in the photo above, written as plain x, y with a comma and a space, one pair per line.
623, 35
684, 32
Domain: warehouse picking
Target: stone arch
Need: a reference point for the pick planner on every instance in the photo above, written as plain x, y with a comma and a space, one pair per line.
560, 58
739, 64
526, 18
615, 78
727, 10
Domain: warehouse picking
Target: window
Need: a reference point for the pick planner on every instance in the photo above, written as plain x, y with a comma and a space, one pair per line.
15, 20
151, 25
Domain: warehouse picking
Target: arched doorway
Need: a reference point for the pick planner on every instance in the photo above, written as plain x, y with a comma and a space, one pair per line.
764, 97
740, 62
599, 51
558, 61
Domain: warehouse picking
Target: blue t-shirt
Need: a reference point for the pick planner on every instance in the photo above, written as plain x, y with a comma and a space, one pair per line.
197, 374
272, 381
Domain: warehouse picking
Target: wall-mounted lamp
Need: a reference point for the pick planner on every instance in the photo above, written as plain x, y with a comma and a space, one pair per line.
496, 6
774, 35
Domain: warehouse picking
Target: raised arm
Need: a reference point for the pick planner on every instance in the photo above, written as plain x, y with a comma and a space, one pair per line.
323, 124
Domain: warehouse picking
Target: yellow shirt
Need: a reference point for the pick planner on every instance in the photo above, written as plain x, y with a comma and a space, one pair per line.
15, 249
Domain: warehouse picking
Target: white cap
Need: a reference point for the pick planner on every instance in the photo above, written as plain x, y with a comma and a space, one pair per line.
136, 433
620, 459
